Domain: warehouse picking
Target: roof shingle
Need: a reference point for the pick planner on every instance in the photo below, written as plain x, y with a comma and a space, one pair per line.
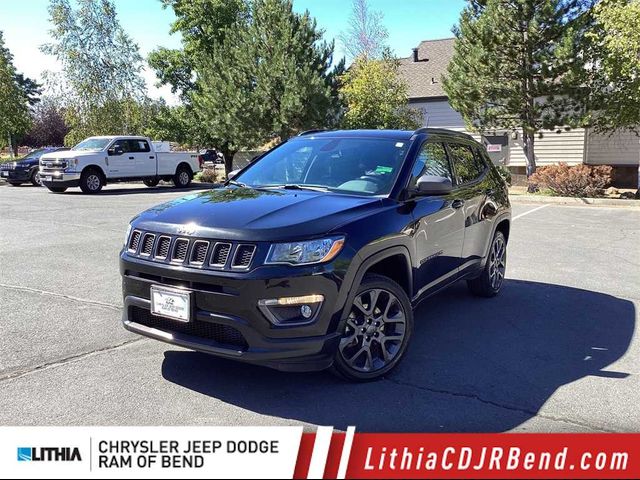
424, 78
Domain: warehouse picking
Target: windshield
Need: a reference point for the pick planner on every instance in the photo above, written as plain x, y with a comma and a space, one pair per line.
362, 166
93, 144
35, 154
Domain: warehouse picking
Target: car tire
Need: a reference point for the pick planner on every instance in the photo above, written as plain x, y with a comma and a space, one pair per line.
381, 309
35, 178
57, 189
151, 182
183, 177
91, 181
489, 282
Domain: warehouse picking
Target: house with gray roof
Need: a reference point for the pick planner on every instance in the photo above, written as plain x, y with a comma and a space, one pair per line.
423, 71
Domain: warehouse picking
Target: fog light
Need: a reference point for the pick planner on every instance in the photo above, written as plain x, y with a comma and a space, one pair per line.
291, 310
306, 311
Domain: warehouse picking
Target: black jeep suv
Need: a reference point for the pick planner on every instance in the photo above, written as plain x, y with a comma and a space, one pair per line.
315, 255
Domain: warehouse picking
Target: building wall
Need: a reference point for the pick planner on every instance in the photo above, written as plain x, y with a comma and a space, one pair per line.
618, 149
566, 146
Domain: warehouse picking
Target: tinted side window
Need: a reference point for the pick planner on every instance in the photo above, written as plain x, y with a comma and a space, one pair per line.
467, 166
432, 159
123, 145
139, 146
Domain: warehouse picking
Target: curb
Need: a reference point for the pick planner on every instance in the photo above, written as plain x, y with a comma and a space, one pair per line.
602, 202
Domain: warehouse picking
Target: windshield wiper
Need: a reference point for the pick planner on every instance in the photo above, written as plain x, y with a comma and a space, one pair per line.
295, 186
236, 183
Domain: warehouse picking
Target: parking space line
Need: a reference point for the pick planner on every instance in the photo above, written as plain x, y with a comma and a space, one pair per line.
531, 211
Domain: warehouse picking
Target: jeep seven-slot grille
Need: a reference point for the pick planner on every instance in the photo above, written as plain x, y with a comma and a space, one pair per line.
199, 252
243, 256
147, 244
180, 250
162, 249
134, 241
220, 254
224, 335
194, 252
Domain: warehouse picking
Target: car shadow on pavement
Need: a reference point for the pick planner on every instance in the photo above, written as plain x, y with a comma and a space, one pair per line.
474, 365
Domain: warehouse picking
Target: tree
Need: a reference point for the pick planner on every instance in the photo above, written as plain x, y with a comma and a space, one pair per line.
101, 67
375, 96
612, 50
249, 71
14, 103
32, 89
48, 126
511, 66
366, 36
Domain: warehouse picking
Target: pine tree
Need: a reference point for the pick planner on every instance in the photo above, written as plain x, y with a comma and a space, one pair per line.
511, 65
256, 71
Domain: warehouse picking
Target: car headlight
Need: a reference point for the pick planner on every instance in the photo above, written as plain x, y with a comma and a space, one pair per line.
71, 163
126, 236
305, 253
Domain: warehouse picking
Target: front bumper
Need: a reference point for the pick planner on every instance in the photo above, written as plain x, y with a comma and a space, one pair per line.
16, 175
227, 321
59, 178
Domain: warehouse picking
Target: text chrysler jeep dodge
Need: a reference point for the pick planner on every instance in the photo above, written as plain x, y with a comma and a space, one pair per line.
315, 254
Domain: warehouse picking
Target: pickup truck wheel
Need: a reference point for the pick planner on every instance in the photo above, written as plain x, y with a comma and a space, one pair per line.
182, 178
377, 331
91, 181
490, 281
57, 189
35, 178
152, 182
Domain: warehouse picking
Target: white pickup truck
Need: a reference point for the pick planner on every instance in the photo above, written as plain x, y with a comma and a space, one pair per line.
96, 161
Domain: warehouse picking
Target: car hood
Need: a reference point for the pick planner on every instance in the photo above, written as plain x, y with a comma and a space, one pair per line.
67, 154
258, 215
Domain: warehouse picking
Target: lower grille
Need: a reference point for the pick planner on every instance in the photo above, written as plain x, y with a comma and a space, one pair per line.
222, 334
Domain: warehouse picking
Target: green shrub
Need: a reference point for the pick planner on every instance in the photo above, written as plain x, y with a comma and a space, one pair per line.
575, 181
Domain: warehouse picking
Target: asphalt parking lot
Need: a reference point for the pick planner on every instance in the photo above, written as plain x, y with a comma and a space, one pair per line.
558, 350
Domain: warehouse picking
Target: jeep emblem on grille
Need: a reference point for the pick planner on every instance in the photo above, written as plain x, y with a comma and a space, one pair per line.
189, 229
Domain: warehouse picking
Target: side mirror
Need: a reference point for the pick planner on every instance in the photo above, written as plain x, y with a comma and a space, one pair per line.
433, 185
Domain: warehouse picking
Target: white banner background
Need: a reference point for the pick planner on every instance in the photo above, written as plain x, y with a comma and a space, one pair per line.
221, 464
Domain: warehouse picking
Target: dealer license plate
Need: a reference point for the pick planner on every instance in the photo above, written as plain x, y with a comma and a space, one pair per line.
170, 302
48, 179
4, 174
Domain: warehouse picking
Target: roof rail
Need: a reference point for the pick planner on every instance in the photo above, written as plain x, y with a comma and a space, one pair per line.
309, 132
445, 131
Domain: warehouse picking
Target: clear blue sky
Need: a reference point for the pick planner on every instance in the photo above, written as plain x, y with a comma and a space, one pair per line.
25, 25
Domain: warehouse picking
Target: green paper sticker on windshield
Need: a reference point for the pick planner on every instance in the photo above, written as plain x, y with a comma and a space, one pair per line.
381, 169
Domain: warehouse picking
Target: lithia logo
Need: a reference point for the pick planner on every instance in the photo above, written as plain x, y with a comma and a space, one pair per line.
49, 454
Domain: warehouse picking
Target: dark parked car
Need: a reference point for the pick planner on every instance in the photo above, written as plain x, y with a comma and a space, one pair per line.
25, 169
315, 255
211, 156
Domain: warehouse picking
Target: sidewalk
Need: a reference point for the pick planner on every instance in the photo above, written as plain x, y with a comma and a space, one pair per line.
519, 195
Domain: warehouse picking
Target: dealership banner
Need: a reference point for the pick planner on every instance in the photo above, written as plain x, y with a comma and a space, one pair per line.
287, 452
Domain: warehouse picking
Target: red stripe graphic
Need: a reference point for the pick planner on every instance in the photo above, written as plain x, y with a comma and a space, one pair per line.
480, 456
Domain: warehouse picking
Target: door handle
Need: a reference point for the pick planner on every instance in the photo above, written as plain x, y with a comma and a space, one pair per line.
131, 158
458, 203
151, 157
